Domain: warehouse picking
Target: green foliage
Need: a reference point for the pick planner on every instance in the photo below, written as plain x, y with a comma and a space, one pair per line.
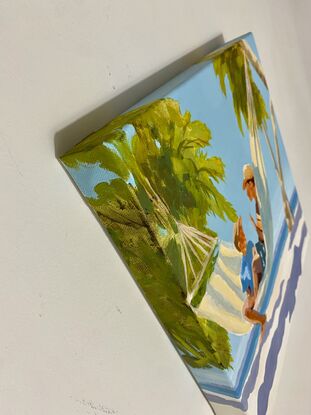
197, 339
103, 156
197, 298
174, 183
168, 147
231, 65
219, 339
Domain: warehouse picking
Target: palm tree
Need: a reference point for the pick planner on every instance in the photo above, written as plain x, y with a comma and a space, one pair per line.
166, 159
234, 62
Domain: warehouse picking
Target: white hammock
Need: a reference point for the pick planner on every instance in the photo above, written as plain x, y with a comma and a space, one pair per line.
224, 299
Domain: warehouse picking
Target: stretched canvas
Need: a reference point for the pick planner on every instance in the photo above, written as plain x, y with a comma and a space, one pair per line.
194, 188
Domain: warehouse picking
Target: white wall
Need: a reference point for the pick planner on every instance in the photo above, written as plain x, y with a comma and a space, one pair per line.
73, 325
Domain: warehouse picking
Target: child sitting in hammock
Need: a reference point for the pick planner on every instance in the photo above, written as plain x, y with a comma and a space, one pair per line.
250, 277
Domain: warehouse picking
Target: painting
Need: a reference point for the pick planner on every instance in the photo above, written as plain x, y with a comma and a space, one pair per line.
194, 188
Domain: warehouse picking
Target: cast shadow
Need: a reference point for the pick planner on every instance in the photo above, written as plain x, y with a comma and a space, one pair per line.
66, 138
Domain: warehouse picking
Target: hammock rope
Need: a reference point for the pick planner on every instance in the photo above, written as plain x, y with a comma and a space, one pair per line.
196, 251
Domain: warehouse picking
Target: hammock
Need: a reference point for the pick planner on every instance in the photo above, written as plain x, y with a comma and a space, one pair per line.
224, 299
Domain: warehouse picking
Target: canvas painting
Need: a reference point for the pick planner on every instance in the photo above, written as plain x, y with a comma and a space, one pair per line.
194, 187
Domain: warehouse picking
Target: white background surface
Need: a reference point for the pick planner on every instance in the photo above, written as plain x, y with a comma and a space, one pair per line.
74, 327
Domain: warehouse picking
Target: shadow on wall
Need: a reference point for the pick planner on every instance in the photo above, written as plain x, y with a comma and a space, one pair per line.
66, 138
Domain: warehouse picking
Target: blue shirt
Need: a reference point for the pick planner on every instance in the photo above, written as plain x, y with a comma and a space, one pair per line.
246, 269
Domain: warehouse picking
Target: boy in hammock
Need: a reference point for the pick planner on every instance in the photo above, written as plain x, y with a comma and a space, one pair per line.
250, 187
250, 275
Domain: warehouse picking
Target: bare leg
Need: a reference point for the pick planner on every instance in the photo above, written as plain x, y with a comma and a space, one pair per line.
252, 315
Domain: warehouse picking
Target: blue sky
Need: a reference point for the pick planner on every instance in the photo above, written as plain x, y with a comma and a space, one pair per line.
202, 96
